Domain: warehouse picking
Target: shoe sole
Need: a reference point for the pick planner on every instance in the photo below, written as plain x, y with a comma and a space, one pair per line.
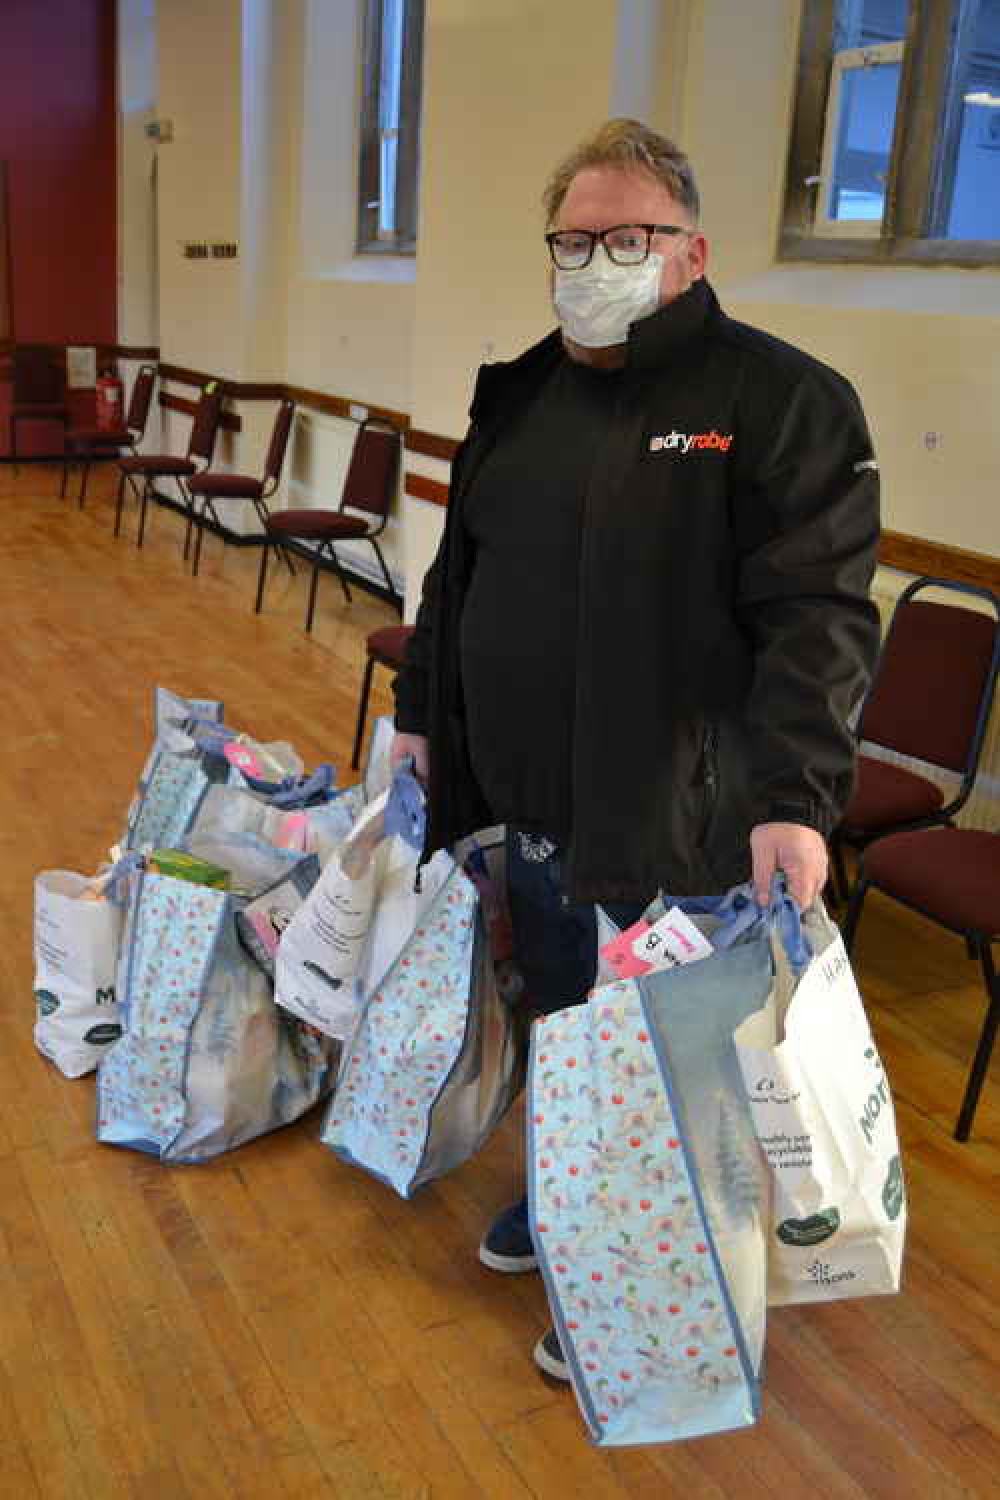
556, 1369
509, 1264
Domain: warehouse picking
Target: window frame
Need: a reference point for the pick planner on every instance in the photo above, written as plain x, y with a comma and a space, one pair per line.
924, 146
369, 239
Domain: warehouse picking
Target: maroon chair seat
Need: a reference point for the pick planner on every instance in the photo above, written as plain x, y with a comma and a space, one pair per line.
387, 647
316, 525
953, 873
227, 486
952, 876
369, 485
886, 795
157, 463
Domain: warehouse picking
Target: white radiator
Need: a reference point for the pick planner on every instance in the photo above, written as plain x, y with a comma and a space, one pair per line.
983, 807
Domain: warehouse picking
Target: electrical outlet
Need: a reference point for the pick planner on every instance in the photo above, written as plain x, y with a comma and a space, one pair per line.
195, 250
933, 440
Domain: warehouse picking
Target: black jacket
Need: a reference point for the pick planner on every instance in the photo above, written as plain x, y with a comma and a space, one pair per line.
726, 630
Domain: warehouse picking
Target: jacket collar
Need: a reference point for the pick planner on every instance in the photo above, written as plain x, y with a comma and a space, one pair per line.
660, 339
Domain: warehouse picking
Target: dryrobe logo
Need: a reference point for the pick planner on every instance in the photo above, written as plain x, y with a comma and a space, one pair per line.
686, 442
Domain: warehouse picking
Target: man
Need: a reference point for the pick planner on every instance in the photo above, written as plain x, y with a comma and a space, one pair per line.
648, 622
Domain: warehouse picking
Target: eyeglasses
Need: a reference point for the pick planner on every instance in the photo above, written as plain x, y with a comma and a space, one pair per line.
626, 244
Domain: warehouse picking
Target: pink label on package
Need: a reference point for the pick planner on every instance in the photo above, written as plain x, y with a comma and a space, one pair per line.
646, 946
293, 832
243, 758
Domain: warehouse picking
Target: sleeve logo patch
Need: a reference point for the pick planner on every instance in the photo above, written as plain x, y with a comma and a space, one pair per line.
685, 442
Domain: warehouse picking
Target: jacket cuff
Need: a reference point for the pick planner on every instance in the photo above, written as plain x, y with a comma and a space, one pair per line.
809, 814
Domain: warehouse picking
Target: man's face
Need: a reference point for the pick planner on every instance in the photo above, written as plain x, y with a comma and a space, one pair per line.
602, 197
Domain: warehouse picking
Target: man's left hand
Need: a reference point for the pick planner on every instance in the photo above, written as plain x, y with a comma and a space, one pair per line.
799, 851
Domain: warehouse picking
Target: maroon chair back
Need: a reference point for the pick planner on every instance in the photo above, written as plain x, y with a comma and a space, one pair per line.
280, 433
140, 399
205, 426
934, 682
370, 482
38, 377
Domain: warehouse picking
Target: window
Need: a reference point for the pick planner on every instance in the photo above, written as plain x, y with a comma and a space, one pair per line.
895, 151
390, 126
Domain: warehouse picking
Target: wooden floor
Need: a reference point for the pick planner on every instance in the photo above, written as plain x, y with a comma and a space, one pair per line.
277, 1324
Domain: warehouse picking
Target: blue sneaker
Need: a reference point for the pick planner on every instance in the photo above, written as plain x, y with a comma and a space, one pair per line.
506, 1245
549, 1356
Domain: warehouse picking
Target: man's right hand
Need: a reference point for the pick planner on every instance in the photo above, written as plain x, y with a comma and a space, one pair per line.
416, 745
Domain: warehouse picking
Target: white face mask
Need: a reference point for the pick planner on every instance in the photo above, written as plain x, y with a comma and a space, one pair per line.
597, 306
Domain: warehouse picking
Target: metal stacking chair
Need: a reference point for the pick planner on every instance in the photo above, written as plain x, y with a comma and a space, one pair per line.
142, 470
210, 487
369, 486
88, 444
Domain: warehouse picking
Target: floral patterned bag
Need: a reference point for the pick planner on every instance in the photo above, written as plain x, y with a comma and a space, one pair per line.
437, 1057
648, 1199
206, 1061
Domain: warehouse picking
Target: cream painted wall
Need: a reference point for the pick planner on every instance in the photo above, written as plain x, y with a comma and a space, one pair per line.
264, 99
921, 344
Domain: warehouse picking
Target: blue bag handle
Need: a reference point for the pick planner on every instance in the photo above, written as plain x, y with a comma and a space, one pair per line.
115, 885
406, 806
739, 911
297, 791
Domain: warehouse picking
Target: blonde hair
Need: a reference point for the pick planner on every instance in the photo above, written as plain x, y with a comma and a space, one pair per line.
630, 146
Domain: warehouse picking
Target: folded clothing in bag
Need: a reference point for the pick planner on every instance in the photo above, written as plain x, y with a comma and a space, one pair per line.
206, 1060
77, 933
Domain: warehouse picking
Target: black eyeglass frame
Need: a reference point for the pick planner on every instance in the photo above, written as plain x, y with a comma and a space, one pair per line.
601, 234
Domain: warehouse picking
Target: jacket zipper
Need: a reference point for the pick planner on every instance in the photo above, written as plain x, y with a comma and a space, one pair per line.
710, 781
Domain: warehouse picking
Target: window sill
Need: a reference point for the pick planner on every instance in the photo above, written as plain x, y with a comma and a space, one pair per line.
944, 290
385, 269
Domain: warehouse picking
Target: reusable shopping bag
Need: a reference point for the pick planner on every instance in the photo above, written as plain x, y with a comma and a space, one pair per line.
345, 936
648, 1199
824, 1116
168, 803
304, 824
77, 931
437, 1056
206, 1060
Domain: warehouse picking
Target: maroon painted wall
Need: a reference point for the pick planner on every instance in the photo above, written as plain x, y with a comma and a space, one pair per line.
58, 135
58, 138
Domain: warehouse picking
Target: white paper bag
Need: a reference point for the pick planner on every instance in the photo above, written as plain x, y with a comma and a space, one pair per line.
76, 954
824, 1118
351, 928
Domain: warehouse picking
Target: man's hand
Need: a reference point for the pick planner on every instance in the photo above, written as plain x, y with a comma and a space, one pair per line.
800, 852
416, 745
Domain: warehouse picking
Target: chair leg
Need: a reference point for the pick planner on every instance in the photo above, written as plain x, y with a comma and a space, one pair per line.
366, 688
984, 1049
313, 585
850, 926
122, 476
396, 599
339, 571
199, 530
187, 500
260, 578
147, 487
65, 476
84, 476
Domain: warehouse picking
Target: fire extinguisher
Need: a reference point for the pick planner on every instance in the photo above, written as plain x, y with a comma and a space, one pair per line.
110, 402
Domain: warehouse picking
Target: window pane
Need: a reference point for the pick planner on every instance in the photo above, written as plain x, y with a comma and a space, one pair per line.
865, 23
390, 82
972, 182
860, 167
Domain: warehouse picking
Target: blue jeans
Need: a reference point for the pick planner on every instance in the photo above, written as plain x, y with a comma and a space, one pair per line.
555, 942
